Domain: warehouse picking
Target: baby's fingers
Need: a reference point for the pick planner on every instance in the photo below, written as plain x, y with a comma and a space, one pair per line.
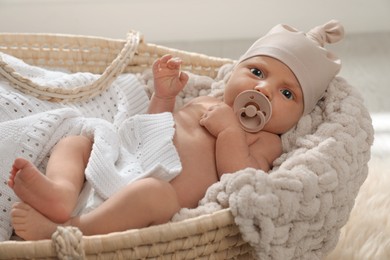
174, 63
166, 58
202, 119
161, 62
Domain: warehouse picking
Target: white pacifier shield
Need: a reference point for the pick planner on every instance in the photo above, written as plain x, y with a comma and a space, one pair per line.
253, 110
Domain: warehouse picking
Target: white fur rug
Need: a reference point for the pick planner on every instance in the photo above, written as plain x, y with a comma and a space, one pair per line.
367, 232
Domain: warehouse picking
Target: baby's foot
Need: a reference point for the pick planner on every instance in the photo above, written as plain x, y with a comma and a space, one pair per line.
29, 224
35, 189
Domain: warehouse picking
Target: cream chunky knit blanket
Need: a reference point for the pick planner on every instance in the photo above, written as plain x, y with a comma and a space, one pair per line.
293, 212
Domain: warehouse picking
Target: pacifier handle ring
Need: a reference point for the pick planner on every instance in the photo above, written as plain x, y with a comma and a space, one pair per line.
253, 110
247, 127
262, 120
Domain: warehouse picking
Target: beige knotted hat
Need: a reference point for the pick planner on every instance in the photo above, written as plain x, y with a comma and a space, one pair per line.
305, 55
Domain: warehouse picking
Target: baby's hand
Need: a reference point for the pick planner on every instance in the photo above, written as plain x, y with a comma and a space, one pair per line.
168, 79
218, 118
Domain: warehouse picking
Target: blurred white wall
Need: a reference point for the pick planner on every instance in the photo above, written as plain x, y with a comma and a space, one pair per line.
224, 28
179, 20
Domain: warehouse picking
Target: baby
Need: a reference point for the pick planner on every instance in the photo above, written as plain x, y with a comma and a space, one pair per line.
290, 68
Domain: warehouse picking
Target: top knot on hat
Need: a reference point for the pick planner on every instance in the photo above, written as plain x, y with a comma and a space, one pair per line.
312, 64
330, 32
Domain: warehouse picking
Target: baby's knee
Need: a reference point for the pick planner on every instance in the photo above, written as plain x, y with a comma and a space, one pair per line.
163, 190
163, 200
77, 143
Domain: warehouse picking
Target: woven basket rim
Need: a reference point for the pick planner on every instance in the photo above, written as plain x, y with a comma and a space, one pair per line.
190, 232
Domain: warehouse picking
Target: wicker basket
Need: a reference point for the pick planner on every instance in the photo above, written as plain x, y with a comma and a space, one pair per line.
212, 236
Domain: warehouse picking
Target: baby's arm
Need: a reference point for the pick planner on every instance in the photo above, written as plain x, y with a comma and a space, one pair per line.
168, 82
234, 151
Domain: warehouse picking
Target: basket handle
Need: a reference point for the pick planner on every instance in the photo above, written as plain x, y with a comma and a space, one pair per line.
56, 94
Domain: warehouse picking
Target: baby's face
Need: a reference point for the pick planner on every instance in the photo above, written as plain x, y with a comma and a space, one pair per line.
277, 82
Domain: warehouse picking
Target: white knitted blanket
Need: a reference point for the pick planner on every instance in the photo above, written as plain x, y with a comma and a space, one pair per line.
30, 127
297, 210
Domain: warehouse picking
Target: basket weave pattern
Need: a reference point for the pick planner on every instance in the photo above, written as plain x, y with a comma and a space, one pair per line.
107, 57
213, 236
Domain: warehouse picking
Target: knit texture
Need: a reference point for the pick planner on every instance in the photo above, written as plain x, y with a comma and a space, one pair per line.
143, 148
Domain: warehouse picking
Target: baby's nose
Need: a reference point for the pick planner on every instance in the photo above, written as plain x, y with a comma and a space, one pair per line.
265, 90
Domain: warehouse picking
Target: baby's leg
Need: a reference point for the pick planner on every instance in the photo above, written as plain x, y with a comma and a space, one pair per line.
140, 204
54, 194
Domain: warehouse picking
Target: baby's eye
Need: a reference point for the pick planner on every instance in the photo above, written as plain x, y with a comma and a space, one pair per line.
287, 93
257, 73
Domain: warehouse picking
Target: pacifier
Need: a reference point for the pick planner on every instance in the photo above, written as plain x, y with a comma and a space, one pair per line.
253, 110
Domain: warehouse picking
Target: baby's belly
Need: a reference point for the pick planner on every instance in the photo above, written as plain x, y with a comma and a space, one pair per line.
196, 149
